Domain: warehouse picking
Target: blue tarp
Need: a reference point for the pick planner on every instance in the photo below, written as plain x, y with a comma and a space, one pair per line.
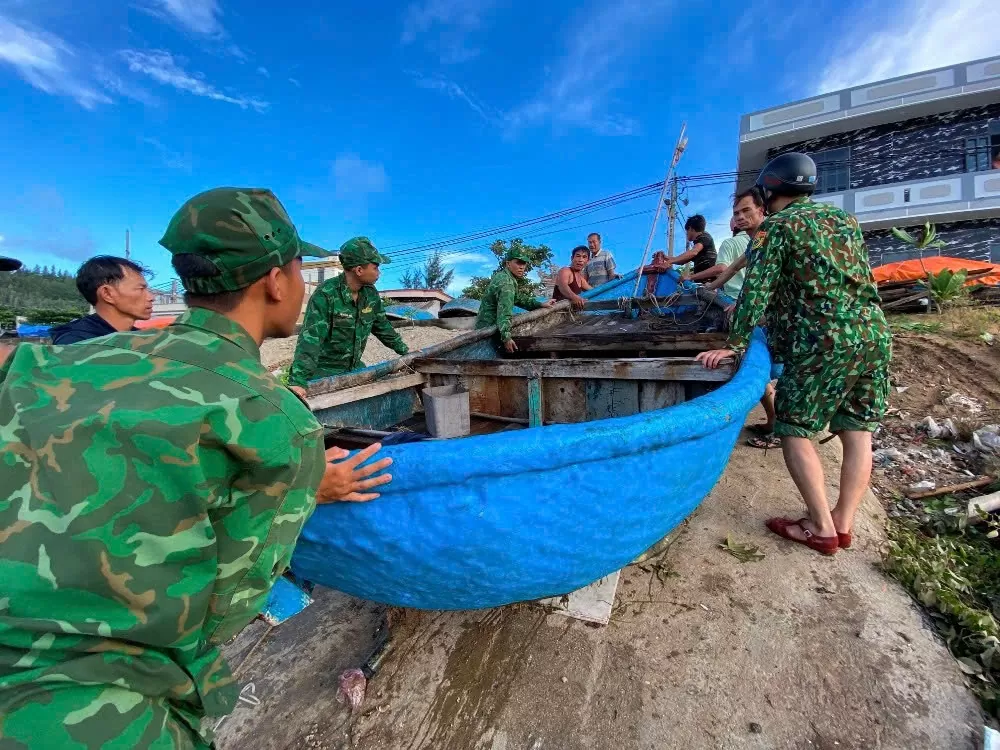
38, 331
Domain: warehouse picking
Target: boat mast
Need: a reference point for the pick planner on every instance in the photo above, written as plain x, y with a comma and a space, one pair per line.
678, 150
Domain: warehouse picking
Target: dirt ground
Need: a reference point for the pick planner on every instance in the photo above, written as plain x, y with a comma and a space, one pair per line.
947, 372
792, 651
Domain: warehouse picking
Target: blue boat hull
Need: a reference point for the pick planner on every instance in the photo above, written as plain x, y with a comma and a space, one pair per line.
514, 516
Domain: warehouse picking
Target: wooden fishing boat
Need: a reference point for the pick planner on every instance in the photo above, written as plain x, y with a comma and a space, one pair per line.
588, 446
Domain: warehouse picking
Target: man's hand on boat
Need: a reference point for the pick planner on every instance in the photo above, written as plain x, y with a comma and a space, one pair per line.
510, 346
346, 480
299, 391
715, 357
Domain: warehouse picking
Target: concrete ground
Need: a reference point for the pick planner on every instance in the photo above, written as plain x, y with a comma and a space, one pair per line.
703, 651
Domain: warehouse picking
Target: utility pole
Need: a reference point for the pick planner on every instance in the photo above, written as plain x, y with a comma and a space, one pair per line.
672, 217
678, 150
126, 245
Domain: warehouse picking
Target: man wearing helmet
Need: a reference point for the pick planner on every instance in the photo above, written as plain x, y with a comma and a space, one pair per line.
808, 276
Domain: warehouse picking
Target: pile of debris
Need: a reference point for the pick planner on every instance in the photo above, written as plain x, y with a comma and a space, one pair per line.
915, 296
930, 458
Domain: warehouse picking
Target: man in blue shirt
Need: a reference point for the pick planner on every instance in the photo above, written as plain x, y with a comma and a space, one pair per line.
117, 289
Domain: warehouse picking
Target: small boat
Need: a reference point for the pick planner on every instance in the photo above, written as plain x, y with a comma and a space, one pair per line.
588, 446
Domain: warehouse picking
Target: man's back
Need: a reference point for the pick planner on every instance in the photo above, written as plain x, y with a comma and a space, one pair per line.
825, 294
182, 472
82, 329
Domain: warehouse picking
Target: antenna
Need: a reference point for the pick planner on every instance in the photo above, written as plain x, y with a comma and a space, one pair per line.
127, 254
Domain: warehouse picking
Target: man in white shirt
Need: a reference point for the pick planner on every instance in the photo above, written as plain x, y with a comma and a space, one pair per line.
731, 250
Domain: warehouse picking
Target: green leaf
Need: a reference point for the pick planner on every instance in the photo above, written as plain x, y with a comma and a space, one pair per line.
742, 552
970, 666
903, 235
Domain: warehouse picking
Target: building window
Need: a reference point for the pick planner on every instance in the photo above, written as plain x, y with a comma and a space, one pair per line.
320, 275
982, 153
833, 170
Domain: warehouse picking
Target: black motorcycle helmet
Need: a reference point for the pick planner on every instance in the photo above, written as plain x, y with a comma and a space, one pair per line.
790, 174
9, 264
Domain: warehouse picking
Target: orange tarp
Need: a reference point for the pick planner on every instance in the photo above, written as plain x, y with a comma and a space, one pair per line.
917, 270
155, 322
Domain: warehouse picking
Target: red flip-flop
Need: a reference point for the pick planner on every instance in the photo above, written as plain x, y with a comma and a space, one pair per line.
826, 545
844, 539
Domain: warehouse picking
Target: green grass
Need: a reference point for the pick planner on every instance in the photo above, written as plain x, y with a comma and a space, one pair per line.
953, 570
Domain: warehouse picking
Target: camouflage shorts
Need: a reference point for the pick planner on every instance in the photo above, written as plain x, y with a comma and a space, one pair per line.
849, 391
96, 717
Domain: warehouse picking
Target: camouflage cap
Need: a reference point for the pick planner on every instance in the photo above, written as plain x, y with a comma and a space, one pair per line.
359, 251
517, 253
9, 264
244, 232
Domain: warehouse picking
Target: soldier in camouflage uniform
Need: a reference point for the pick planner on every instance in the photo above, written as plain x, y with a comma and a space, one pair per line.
340, 315
154, 486
808, 276
507, 288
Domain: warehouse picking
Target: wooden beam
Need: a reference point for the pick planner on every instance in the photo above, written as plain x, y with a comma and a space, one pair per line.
666, 369
534, 402
378, 388
376, 373
629, 341
644, 303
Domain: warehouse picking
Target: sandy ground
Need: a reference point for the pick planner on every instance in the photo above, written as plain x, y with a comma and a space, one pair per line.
278, 353
793, 651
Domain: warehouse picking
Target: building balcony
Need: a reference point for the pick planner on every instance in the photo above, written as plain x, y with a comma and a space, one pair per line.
932, 92
974, 195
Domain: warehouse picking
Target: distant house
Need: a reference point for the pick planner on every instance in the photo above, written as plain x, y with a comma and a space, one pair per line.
898, 153
422, 299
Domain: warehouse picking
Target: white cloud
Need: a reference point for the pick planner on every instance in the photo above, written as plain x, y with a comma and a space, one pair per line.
580, 90
355, 179
48, 63
449, 24
295, 83
264, 71
458, 258
162, 68
171, 159
919, 35
199, 16
458, 282
454, 91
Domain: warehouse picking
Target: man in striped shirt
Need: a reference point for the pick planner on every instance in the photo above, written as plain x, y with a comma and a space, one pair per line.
601, 267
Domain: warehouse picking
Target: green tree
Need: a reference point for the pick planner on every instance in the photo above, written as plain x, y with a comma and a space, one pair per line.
434, 274
541, 259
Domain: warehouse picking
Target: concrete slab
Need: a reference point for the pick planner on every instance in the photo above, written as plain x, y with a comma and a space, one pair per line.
793, 651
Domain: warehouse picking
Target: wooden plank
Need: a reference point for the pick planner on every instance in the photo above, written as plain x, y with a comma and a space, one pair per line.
644, 303
655, 394
611, 398
664, 368
513, 392
361, 392
625, 341
565, 400
535, 411
373, 374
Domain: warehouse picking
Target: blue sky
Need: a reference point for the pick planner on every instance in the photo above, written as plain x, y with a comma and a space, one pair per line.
410, 121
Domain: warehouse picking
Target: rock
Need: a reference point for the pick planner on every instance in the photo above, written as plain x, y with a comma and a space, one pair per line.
987, 439
756, 728
965, 403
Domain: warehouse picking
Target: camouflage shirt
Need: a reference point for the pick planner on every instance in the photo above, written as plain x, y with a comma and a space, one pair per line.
809, 279
497, 306
154, 486
335, 331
